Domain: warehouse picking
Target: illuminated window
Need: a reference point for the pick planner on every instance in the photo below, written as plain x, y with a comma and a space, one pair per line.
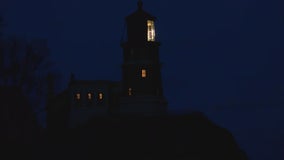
130, 91
100, 96
89, 96
151, 30
144, 73
78, 96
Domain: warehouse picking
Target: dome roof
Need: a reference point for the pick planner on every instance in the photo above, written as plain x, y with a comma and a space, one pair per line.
140, 13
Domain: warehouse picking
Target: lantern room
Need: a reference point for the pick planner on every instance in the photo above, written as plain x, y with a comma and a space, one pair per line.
140, 26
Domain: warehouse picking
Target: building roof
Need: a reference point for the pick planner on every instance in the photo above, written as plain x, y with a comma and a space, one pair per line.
93, 82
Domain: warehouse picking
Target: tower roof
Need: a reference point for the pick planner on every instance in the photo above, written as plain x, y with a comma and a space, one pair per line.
140, 13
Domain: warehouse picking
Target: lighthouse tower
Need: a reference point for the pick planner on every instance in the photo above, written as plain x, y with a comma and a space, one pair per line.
142, 90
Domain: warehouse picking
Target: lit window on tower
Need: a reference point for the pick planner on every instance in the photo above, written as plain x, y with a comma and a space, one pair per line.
130, 91
143, 73
78, 96
151, 30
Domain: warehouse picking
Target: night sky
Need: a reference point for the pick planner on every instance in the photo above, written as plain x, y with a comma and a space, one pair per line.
222, 57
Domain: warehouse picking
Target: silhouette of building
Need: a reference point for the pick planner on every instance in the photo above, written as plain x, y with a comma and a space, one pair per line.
139, 92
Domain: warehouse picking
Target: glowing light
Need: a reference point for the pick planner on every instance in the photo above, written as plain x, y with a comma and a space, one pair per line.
144, 73
130, 91
100, 96
78, 96
89, 96
151, 30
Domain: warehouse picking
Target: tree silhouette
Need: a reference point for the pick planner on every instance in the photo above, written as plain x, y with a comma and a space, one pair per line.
26, 65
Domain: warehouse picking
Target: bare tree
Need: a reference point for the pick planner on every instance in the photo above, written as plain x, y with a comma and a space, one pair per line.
26, 65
